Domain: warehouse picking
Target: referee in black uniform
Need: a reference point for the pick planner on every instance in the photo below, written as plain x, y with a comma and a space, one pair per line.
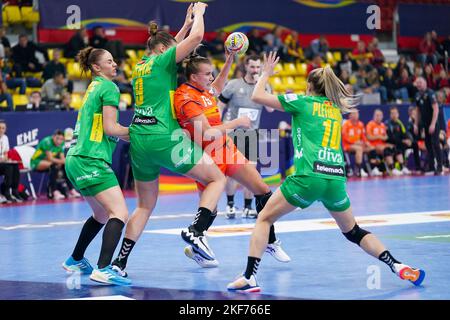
427, 120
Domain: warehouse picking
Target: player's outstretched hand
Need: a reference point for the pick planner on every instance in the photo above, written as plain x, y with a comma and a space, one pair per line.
270, 61
199, 8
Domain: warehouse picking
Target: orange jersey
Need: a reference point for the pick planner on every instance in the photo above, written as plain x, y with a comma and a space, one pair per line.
352, 133
375, 129
190, 102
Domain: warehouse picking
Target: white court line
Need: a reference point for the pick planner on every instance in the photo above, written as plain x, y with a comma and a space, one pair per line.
68, 223
249, 225
322, 224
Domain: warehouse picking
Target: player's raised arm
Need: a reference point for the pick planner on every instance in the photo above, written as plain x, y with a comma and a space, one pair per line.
260, 95
195, 37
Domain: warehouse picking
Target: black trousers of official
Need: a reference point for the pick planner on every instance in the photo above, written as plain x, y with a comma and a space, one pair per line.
11, 174
433, 148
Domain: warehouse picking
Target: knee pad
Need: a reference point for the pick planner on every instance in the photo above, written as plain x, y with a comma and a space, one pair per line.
388, 152
261, 201
356, 234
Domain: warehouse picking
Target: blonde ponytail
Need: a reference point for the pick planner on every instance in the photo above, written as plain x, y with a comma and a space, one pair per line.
326, 83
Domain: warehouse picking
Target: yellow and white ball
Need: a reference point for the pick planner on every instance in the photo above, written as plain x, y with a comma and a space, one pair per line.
237, 42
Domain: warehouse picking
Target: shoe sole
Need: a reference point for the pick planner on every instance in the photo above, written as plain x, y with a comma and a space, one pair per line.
68, 269
190, 254
250, 290
200, 251
231, 215
416, 276
95, 278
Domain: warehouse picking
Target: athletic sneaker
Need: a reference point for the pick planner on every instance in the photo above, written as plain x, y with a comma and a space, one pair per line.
57, 195
109, 275
406, 171
406, 272
198, 242
230, 212
202, 262
397, 172
363, 174
376, 172
83, 266
249, 213
121, 268
242, 284
74, 194
277, 251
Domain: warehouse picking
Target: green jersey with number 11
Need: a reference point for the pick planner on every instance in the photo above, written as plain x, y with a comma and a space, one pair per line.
316, 130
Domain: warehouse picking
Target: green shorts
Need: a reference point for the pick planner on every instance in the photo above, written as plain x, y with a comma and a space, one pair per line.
302, 191
177, 153
90, 176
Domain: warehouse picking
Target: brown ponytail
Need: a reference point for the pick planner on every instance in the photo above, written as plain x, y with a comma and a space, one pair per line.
326, 83
158, 36
89, 56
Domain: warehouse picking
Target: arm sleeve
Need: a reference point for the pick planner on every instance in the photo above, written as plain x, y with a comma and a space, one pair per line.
291, 102
110, 95
167, 60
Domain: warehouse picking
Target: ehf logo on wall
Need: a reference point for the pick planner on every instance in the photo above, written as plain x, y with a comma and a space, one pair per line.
28, 138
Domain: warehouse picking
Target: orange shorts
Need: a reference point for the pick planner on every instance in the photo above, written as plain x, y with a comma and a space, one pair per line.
228, 158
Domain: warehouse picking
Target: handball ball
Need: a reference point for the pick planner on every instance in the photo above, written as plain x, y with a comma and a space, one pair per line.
237, 42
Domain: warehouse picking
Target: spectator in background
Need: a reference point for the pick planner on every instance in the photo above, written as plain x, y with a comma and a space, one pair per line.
294, 49
35, 102
53, 89
5, 42
373, 80
345, 77
121, 79
404, 84
319, 47
361, 83
345, 64
401, 64
412, 114
397, 136
274, 42
98, 39
360, 53
427, 119
429, 76
10, 170
442, 81
439, 48
5, 95
427, 50
216, 46
314, 64
377, 136
24, 56
54, 66
391, 87
79, 41
66, 102
377, 57
256, 42
354, 141
446, 46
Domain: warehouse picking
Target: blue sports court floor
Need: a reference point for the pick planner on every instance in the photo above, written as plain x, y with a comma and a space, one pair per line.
411, 215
